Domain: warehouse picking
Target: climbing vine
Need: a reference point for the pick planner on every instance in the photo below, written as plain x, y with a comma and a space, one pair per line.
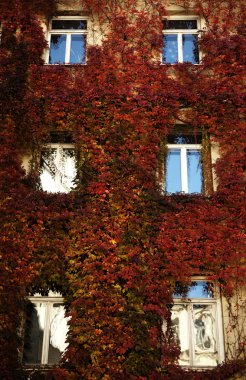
116, 245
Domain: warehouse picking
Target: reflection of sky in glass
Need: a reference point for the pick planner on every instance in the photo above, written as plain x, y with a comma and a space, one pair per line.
77, 53
198, 289
194, 171
170, 49
57, 48
190, 51
173, 174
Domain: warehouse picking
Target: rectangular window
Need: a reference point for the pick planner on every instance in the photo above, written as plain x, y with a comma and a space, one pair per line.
67, 41
57, 168
197, 325
180, 37
183, 164
46, 330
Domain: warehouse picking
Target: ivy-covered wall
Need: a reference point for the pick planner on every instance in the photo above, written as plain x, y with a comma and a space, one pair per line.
116, 245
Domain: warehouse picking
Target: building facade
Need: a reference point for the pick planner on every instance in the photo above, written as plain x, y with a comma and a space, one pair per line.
122, 190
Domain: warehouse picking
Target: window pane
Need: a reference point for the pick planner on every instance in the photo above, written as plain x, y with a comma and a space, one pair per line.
180, 24
69, 24
170, 48
198, 289
173, 174
194, 171
58, 169
204, 335
33, 344
57, 48
190, 48
77, 52
48, 169
180, 138
57, 333
68, 168
180, 326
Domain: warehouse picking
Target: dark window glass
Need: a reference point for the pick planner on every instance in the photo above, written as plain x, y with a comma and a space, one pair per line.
179, 138
180, 24
60, 138
34, 332
69, 24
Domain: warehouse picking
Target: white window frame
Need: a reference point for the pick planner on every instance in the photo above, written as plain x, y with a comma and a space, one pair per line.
58, 175
216, 302
180, 32
183, 161
48, 301
68, 33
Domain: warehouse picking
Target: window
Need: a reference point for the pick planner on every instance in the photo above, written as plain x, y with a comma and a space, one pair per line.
183, 164
58, 167
180, 37
197, 325
67, 41
46, 330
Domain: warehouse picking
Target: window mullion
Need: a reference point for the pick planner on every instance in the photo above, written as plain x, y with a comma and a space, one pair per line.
191, 334
45, 350
68, 48
219, 331
184, 175
59, 159
180, 48
49, 47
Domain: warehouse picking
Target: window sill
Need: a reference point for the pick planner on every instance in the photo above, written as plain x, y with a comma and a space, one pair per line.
188, 64
39, 367
65, 64
193, 368
183, 195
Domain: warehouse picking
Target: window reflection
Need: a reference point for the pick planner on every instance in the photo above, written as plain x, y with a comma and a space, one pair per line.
180, 24
58, 168
183, 165
204, 331
170, 49
57, 48
34, 333
190, 48
57, 333
195, 324
180, 41
45, 333
173, 174
67, 42
194, 171
180, 326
